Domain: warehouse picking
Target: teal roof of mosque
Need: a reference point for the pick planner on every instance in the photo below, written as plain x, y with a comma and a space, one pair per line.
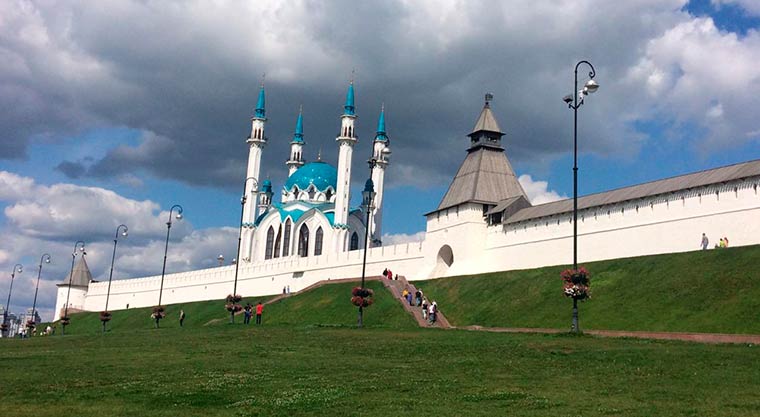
381, 135
260, 111
349, 109
322, 175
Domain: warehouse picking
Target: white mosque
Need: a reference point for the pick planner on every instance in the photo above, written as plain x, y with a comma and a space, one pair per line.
484, 223
313, 217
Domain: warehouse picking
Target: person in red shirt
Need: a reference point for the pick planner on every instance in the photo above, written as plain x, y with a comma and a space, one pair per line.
259, 312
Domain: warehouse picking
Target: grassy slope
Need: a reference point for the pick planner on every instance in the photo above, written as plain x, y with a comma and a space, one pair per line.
328, 305
307, 371
713, 291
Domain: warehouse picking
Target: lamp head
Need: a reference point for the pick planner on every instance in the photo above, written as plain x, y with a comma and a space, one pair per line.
179, 216
568, 98
47, 260
20, 269
125, 233
591, 86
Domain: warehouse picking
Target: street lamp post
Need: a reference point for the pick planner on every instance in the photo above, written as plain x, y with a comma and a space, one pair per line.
110, 275
45, 258
367, 196
574, 102
16, 268
158, 316
65, 320
243, 200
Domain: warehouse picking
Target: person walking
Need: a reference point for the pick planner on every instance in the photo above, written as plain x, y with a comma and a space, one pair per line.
432, 312
181, 317
247, 312
725, 241
424, 309
705, 241
418, 298
259, 312
722, 244
404, 293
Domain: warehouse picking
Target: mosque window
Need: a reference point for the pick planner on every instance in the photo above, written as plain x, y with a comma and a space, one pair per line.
277, 243
286, 239
312, 193
318, 242
270, 243
303, 241
328, 194
354, 241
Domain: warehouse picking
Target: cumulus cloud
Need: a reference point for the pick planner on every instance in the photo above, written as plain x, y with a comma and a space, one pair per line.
49, 219
699, 75
751, 6
538, 191
398, 238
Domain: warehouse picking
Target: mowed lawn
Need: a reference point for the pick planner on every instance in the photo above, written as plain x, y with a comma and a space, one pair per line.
291, 370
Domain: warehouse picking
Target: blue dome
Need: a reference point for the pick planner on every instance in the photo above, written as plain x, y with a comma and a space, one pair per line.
321, 174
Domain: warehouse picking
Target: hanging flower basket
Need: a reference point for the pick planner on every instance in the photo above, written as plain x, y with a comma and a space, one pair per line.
362, 297
4, 327
233, 308
65, 321
576, 283
105, 316
158, 312
234, 299
30, 324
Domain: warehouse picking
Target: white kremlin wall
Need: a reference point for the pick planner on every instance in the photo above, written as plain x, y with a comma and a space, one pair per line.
254, 279
659, 224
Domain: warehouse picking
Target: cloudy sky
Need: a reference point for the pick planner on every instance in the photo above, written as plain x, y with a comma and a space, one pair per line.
113, 111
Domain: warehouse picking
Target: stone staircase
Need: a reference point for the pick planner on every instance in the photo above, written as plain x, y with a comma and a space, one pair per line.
395, 287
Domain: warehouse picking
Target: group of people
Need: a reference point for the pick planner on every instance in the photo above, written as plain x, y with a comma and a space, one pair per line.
706, 242
418, 299
248, 312
389, 275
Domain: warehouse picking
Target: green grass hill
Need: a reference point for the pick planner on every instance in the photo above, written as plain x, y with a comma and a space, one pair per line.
715, 291
328, 305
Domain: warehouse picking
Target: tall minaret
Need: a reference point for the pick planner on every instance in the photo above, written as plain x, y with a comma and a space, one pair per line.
296, 146
380, 152
256, 142
346, 141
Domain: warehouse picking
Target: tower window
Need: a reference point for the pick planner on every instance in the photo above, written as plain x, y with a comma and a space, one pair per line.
277, 243
354, 241
270, 243
318, 242
286, 239
303, 241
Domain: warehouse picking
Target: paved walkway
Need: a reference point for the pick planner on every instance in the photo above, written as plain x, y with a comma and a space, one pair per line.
689, 337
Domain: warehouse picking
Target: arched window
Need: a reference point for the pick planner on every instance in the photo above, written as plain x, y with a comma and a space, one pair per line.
270, 242
286, 239
312, 193
318, 242
303, 241
354, 241
277, 242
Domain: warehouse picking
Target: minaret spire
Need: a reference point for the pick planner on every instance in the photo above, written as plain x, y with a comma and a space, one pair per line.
296, 146
380, 152
346, 140
256, 143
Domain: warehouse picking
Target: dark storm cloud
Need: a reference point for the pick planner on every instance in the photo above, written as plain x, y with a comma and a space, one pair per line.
186, 75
